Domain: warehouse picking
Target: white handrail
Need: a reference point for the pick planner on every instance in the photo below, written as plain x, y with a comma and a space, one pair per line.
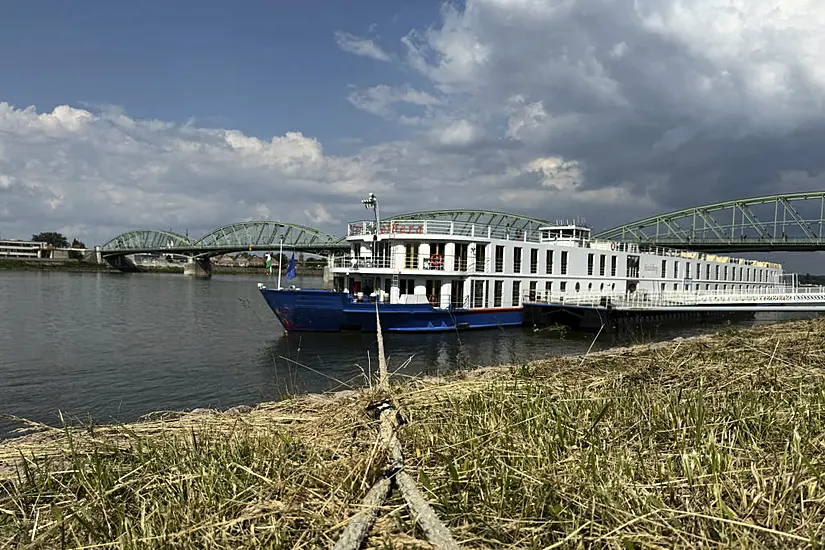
641, 299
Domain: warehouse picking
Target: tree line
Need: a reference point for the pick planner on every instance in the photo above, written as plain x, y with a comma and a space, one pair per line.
57, 240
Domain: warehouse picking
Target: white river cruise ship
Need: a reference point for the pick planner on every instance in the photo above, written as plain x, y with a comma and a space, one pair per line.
429, 274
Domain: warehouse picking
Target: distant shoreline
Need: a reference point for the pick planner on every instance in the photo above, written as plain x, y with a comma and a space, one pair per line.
79, 266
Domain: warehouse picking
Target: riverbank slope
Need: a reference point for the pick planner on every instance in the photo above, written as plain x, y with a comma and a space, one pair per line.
710, 441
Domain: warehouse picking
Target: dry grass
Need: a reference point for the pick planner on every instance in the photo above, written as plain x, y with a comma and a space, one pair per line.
707, 442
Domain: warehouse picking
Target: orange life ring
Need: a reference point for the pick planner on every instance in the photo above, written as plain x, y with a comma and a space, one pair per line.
435, 260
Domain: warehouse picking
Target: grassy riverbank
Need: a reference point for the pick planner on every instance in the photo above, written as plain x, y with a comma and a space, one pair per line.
714, 441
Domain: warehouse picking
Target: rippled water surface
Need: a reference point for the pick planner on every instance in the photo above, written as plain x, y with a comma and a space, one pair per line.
116, 346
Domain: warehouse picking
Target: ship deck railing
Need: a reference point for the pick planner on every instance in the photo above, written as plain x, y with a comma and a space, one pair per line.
654, 300
449, 263
401, 228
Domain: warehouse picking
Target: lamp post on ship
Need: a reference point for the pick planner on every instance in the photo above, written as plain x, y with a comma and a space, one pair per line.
372, 201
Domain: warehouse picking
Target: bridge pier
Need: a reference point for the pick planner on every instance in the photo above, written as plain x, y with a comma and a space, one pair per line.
121, 263
200, 268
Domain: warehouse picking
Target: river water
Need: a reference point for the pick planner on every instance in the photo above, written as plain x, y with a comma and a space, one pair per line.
112, 347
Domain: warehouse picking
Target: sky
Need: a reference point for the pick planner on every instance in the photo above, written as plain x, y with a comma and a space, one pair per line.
189, 115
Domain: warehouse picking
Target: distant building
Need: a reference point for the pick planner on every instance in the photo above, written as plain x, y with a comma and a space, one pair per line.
24, 249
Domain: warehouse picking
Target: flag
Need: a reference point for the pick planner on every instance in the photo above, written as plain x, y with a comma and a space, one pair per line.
290, 271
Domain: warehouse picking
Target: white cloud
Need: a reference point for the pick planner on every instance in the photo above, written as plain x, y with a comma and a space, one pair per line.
319, 215
457, 133
71, 168
360, 46
557, 173
382, 100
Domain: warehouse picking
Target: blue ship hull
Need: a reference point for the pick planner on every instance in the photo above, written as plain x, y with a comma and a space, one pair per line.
325, 311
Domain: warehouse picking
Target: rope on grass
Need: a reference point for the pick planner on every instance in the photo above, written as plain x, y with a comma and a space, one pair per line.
436, 532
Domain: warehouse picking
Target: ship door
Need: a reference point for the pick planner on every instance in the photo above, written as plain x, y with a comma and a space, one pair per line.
433, 290
383, 253
457, 294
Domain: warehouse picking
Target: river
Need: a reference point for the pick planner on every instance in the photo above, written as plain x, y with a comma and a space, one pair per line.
112, 347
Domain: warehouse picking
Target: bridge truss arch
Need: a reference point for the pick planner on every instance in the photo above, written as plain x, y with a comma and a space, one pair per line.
146, 239
484, 217
259, 235
794, 221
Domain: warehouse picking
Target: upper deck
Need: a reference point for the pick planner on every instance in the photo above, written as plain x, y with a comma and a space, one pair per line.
571, 235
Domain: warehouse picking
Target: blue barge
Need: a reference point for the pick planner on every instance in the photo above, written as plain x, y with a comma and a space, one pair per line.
328, 311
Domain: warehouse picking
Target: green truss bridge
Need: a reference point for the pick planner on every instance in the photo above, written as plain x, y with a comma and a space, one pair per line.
788, 222
772, 223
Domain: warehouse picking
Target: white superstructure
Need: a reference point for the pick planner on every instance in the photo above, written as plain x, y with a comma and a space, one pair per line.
478, 265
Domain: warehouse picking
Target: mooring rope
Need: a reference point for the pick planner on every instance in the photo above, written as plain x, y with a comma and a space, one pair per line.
356, 530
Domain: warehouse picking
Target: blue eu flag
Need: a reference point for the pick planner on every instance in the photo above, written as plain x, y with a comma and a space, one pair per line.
290, 271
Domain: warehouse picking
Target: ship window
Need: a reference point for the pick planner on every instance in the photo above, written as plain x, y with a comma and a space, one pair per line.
411, 256
633, 266
407, 286
517, 259
548, 263
664, 269
707, 272
481, 258
578, 286
533, 285
460, 258
498, 290
602, 263
589, 287
534, 260
613, 286
675, 270
663, 287
499, 259
675, 286
601, 286
515, 298
590, 263
717, 273
698, 271
564, 262
563, 287
613, 266
548, 288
